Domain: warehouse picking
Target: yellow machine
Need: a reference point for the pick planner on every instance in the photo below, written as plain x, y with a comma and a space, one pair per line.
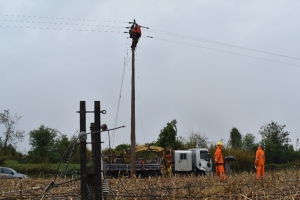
165, 156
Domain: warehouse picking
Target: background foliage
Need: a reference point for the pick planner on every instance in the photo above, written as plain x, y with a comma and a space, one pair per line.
49, 146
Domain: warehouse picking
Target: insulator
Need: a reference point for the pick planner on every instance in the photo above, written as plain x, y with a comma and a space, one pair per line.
105, 187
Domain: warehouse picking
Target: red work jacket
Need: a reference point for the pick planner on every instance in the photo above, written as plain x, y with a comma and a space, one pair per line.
137, 29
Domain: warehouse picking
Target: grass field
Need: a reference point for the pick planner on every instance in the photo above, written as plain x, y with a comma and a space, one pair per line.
284, 184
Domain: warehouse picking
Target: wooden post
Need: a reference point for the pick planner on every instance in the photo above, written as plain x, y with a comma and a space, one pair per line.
98, 181
83, 186
132, 148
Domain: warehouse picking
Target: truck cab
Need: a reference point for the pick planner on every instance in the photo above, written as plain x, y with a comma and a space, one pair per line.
201, 161
182, 161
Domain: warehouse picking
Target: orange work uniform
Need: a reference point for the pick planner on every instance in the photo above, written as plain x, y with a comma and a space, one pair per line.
135, 34
260, 163
218, 158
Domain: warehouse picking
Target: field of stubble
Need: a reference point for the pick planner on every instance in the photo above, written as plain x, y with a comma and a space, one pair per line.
276, 185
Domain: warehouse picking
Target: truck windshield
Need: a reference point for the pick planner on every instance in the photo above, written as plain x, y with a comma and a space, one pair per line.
204, 155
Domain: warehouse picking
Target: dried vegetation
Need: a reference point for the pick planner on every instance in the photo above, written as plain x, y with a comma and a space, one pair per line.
276, 185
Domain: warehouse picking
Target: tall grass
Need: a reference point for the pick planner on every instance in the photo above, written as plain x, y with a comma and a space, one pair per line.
36, 169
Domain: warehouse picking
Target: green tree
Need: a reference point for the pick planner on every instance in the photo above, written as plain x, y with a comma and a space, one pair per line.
195, 139
167, 136
42, 143
10, 134
276, 142
235, 139
248, 142
122, 147
275, 133
60, 146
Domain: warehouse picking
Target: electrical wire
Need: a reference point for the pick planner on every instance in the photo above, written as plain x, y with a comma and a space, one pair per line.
153, 30
215, 42
229, 52
120, 92
105, 31
61, 23
61, 18
139, 97
61, 29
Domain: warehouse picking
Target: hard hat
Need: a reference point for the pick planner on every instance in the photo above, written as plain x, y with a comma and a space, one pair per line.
219, 143
260, 145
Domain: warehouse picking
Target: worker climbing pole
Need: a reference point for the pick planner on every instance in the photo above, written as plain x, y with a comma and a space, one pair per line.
135, 37
135, 33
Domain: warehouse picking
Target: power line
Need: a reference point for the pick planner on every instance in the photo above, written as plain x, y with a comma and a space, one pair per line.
120, 93
105, 31
259, 58
57, 23
147, 29
215, 42
61, 18
60, 29
139, 97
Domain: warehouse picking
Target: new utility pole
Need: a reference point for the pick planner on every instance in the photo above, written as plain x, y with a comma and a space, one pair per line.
132, 135
135, 34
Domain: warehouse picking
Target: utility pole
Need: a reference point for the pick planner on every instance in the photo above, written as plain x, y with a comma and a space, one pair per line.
132, 148
83, 186
98, 180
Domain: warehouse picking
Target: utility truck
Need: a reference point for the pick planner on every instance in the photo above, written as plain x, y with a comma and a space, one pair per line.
195, 160
168, 162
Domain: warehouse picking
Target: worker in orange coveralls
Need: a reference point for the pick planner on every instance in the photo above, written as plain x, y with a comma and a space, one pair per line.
135, 33
218, 158
260, 162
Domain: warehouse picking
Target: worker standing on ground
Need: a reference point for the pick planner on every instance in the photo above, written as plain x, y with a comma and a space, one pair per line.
260, 162
219, 162
135, 33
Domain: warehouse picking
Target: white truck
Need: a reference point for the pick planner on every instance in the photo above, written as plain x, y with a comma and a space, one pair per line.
195, 160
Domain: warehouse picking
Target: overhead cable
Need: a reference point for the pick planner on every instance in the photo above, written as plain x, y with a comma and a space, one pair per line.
259, 58
59, 23
139, 97
120, 92
61, 29
215, 42
61, 18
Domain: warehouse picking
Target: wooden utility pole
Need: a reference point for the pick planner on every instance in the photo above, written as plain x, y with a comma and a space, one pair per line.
83, 186
98, 180
132, 148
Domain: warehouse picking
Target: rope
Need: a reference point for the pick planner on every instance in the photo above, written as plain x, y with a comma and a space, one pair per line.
120, 93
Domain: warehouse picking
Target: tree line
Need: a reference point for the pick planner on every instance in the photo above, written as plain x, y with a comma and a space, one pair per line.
48, 145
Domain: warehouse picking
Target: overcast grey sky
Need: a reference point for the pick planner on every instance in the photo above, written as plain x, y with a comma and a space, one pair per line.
211, 65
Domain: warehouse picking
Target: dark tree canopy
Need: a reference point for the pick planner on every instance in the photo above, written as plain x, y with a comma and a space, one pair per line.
42, 143
248, 142
235, 139
276, 143
275, 133
167, 136
122, 147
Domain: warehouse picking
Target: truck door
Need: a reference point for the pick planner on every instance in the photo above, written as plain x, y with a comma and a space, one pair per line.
183, 164
205, 161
